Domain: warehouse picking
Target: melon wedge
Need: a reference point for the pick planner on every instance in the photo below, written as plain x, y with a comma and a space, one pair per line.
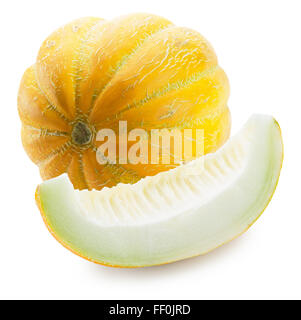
174, 215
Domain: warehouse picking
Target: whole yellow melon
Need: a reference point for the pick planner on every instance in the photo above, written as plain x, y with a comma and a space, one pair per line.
91, 74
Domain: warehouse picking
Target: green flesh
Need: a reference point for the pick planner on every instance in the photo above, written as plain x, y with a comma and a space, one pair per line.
174, 215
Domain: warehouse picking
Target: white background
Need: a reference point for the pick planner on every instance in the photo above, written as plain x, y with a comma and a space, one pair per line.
258, 43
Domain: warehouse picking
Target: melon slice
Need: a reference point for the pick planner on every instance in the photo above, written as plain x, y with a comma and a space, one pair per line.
174, 215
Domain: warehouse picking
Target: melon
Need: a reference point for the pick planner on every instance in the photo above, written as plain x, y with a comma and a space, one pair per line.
184, 212
140, 69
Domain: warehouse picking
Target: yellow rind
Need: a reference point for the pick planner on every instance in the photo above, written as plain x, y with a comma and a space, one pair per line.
138, 68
